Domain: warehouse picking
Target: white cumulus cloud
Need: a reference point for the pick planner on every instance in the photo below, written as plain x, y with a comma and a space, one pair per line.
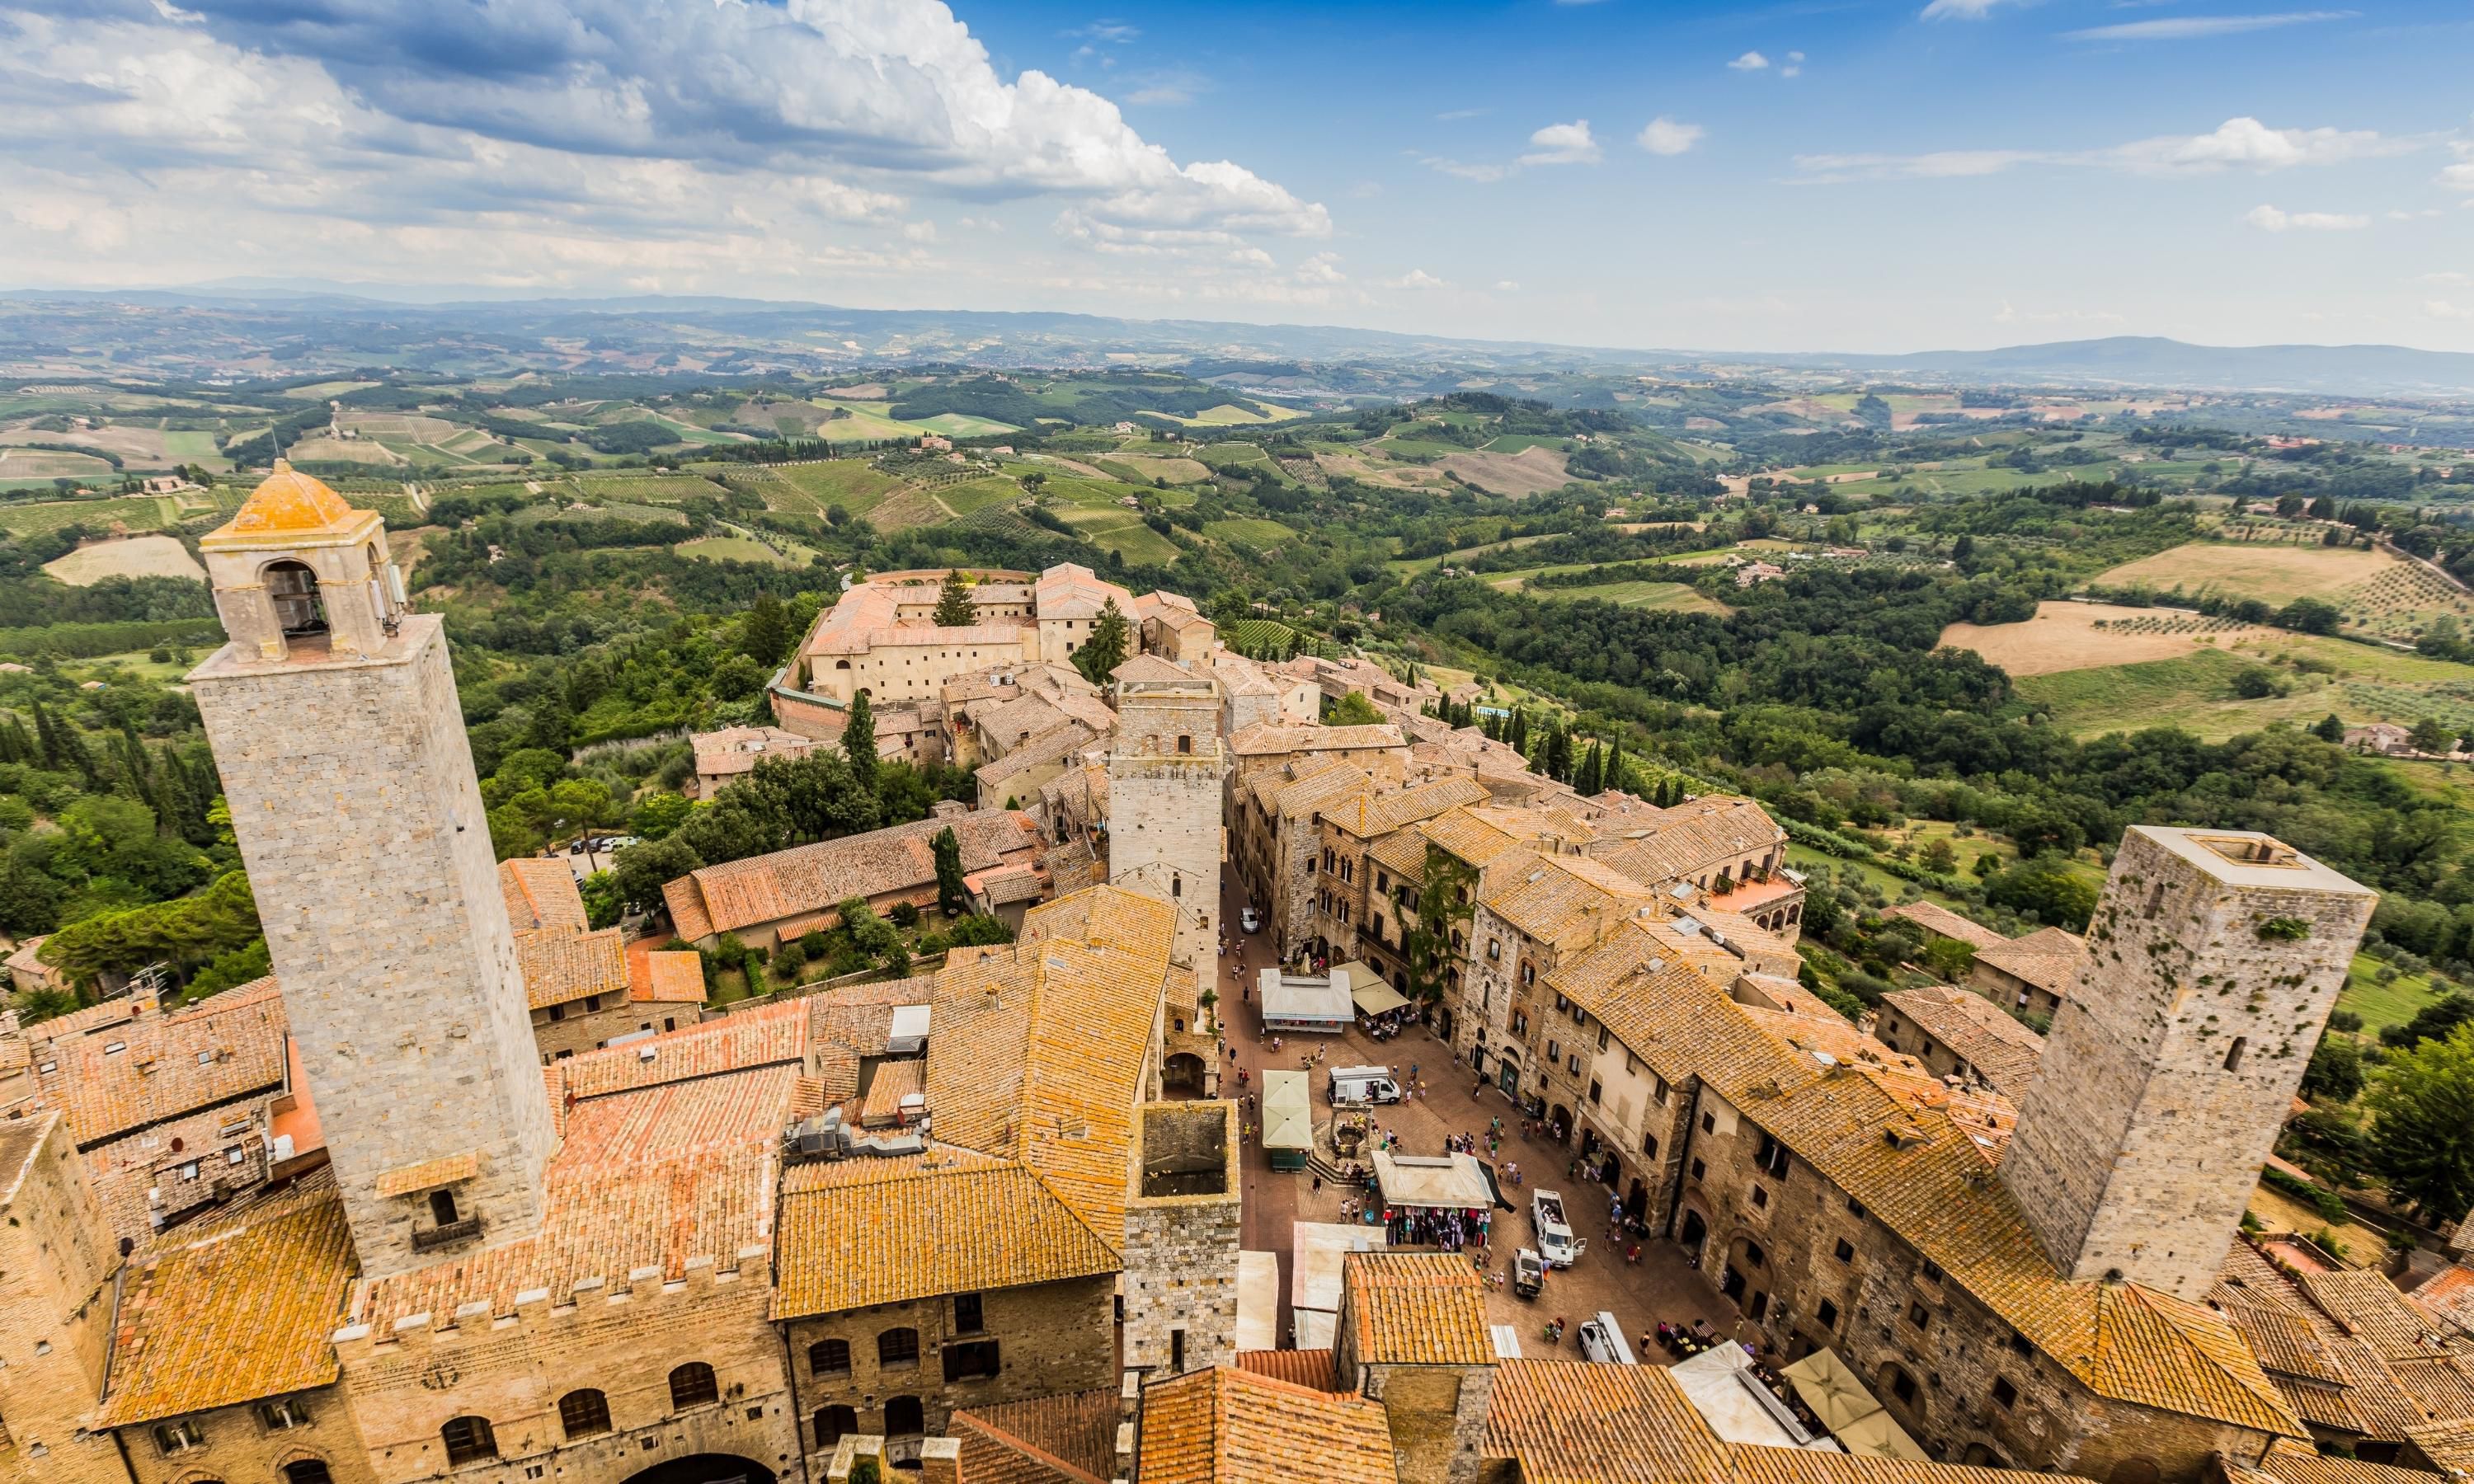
1563, 144
2236, 143
2271, 218
1418, 278
1959, 10
1749, 62
1664, 135
2193, 28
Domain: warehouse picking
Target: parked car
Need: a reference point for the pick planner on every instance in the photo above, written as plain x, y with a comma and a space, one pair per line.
1251, 920
1528, 1273
1555, 1241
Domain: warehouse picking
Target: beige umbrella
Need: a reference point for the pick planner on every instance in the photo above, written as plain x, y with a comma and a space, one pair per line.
1877, 1436
1830, 1389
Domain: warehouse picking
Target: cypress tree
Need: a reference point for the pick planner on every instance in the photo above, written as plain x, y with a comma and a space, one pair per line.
1585, 778
1613, 774
1519, 738
859, 741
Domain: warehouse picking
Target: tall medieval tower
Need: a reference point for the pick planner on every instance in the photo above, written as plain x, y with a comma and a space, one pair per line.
2213, 960
1164, 788
334, 720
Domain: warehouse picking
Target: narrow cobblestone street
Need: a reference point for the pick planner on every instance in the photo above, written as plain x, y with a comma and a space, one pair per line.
1446, 1099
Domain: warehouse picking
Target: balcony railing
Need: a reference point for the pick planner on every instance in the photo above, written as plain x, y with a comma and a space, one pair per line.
446, 1236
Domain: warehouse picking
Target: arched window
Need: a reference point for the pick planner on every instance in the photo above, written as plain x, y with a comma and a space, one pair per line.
294, 589
467, 1438
584, 1413
903, 1416
693, 1386
898, 1348
308, 1471
829, 1357
834, 1424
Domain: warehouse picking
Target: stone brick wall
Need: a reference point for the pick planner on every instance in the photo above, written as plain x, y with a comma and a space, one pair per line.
241, 1444
622, 1339
1437, 1415
351, 791
2175, 1060
57, 1262
1049, 1338
1164, 813
578, 1029
1180, 1250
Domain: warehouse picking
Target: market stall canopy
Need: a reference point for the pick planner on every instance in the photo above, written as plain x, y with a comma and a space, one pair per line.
1367, 989
1830, 1389
1287, 1111
1722, 1387
1291, 1002
1449, 1182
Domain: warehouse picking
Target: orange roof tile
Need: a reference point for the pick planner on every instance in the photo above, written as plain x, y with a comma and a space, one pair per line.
118, 1072
540, 894
1311, 1367
1416, 1308
1066, 1439
673, 977
287, 503
1225, 1425
873, 1229
234, 1308
560, 967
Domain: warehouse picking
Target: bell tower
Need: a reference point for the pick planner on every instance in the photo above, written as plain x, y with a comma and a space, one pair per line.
336, 724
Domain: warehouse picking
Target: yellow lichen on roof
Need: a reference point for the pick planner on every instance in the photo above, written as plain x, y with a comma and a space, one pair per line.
1563, 900
1225, 1425
870, 1230
429, 1174
287, 503
1416, 1308
237, 1306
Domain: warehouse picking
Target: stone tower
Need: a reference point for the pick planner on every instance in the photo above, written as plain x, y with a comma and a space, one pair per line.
1164, 800
2213, 960
334, 722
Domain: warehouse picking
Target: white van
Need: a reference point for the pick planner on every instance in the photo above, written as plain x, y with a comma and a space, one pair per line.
1555, 1241
1361, 1085
1602, 1340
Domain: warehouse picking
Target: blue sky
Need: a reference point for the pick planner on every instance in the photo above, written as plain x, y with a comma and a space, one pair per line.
1810, 175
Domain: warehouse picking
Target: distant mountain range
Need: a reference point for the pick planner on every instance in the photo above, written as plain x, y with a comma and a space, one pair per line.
254, 328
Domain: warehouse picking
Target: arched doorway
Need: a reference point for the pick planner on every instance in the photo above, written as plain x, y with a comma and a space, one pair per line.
293, 588
1443, 1021
705, 1469
1562, 1120
905, 1417
1745, 1260
1694, 1235
1508, 1076
1183, 1072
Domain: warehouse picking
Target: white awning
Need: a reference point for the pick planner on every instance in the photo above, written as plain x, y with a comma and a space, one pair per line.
1287, 1111
1290, 1001
1367, 989
1446, 1181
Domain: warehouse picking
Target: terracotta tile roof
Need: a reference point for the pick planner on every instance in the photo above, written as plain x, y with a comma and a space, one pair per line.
1943, 922
773, 1036
1980, 1032
1416, 1308
2283, 1468
233, 1308
882, 1231
1071, 591
1380, 812
2365, 1305
2448, 1444
2448, 1296
735, 749
1325, 786
115, 1068
445, 1170
2122, 1341
673, 977
1470, 837
1044, 749
1566, 901
894, 1082
1695, 837
813, 878
647, 1180
2048, 958
1313, 1368
559, 967
541, 895
1066, 1439
1567, 1422
1266, 739
1225, 1425
1402, 852
1151, 667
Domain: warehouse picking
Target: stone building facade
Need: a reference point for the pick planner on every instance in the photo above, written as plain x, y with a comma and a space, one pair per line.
56, 1271
1164, 790
1182, 1208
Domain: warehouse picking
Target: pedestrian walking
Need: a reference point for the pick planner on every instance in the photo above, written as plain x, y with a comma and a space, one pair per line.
1318, 1185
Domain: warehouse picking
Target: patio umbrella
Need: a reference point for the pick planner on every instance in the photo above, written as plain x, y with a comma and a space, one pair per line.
1876, 1436
1830, 1389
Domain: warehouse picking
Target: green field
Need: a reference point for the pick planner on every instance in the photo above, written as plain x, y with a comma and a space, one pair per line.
1640, 594
980, 493
1260, 534
741, 549
651, 488
961, 425
2365, 684
2383, 1004
192, 447
1229, 414
136, 512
